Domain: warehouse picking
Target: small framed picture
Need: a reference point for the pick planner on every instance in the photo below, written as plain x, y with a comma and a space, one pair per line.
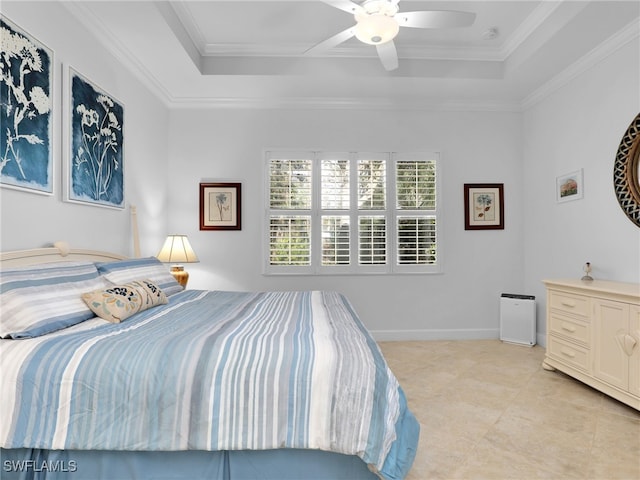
220, 206
483, 206
569, 187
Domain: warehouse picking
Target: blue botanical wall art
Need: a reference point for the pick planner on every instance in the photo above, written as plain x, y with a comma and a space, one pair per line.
96, 154
26, 79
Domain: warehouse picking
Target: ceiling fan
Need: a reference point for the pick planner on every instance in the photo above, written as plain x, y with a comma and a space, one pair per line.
379, 21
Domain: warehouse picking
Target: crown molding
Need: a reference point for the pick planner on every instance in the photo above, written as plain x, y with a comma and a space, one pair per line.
595, 56
417, 52
118, 49
340, 103
184, 16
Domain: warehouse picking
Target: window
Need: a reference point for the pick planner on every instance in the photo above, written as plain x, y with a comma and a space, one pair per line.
351, 213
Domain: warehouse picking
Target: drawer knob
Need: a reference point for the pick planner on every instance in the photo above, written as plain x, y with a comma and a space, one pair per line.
568, 328
568, 353
569, 304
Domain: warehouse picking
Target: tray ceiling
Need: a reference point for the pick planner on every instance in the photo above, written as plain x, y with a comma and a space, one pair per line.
251, 53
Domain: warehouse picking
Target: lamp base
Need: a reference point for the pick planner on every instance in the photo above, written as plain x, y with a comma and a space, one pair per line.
179, 273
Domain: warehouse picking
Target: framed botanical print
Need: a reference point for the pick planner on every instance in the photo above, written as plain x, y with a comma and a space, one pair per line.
484, 206
220, 206
26, 104
95, 144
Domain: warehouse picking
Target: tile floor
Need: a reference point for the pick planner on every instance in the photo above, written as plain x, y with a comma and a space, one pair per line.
489, 411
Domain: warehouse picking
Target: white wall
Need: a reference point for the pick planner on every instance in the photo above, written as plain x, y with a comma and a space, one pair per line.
580, 127
30, 220
227, 145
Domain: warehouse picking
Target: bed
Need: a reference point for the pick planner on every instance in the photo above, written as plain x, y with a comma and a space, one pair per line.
110, 370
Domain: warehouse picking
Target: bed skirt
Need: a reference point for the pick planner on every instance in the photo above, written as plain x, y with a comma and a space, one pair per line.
290, 464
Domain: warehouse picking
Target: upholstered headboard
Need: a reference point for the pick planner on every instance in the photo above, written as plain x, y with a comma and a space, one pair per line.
59, 252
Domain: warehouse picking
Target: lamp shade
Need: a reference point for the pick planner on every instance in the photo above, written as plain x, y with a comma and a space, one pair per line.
177, 249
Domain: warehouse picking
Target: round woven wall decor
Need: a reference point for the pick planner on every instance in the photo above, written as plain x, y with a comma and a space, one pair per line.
625, 172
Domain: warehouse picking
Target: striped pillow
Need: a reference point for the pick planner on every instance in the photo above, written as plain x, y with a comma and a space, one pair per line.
40, 299
132, 269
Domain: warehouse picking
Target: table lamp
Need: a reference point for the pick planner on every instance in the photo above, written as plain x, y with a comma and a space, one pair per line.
177, 250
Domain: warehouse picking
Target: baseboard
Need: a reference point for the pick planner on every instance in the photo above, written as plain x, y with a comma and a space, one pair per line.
452, 334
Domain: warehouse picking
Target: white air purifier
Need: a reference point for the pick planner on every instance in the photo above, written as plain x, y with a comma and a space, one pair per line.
518, 319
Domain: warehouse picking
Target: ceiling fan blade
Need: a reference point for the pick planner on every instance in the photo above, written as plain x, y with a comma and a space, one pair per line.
388, 55
435, 19
346, 5
331, 42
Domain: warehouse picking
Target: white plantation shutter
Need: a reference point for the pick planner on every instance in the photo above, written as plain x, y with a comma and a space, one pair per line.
290, 190
416, 193
373, 217
335, 188
349, 212
336, 241
290, 240
416, 241
416, 184
290, 183
372, 184
372, 237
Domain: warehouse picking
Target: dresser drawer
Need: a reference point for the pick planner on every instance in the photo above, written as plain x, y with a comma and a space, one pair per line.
568, 353
569, 327
569, 303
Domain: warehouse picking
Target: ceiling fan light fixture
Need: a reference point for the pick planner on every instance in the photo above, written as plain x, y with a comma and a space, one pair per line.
376, 29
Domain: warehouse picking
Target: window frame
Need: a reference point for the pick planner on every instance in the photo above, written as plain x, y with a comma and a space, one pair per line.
391, 213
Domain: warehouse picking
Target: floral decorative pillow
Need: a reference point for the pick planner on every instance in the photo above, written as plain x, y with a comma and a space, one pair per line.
119, 302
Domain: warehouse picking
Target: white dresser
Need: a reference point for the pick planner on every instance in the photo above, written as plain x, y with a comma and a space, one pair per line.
593, 334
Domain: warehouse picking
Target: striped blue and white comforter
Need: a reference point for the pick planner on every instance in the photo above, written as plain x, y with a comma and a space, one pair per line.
211, 370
